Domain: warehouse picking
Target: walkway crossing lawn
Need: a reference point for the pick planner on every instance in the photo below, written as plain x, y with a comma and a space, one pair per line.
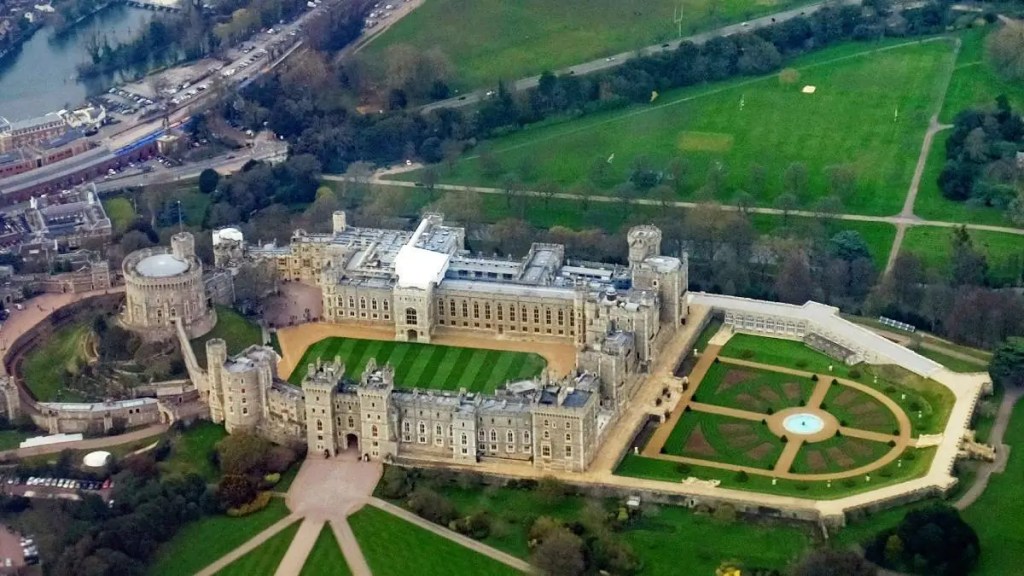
858, 96
191, 450
1004, 252
394, 547
265, 558
199, 544
489, 40
837, 454
779, 352
426, 365
724, 439
752, 389
856, 409
326, 558
916, 462
676, 537
998, 516
237, 331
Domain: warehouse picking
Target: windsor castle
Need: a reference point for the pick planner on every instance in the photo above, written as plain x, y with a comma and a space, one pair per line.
425, 283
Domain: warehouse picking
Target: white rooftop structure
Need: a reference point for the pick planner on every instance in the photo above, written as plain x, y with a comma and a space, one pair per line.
227, 235
161, 266
825, 320
97, 459
419, 267
51, 439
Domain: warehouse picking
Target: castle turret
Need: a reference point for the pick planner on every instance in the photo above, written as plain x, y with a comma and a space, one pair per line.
318, 389
339, 221
183, 246
644, 242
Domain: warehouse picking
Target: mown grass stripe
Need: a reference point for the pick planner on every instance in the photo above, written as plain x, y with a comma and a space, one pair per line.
352, 357
405, 367
437, 353
454, 379
446, 366
502, 366
469, 379
415, 373
396, 359
489, 378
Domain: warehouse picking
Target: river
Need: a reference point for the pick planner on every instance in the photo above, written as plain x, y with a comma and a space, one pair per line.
41, 77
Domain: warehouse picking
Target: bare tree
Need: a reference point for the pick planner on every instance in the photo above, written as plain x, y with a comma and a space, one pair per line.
1005, 50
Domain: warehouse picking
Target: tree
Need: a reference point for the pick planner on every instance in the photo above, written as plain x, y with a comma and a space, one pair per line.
786, 203
432, 506
254, 281
243, 453
936, 540
789, 76
842, 179
794, 179
849, 245
969, 266
743, 201
548, 190
560, 554
793, 282
135, 240
234, 490
1005, 50
1007, 365
208, 180
828, 562
320, 213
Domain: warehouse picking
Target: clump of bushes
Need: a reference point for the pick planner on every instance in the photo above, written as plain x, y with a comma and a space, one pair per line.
259, 503
854, 374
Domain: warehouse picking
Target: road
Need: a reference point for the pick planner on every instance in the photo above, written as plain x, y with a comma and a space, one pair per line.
897, 220
617, 60
1010, 398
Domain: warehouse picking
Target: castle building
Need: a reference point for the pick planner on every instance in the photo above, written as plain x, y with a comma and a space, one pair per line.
422, 283
164, 286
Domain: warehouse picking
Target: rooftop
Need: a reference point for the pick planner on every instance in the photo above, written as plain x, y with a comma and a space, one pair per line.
161, 266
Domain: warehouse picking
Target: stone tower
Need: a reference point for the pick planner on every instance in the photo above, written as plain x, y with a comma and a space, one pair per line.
379, 432
216, 356
183, 246
644, 242
339, 221
318, 390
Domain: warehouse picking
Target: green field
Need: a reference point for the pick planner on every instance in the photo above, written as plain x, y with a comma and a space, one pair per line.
837, 454
1004, 252
326, 558
953, 363
780, 352
777, 126
973, 84
716, 438
237, 331
191, 450
121, 213
426, 365
10, 439
915, 464
488, 40
200, 543
44, 366
394, 547
856, 409
926, 402
998, 516
264, 559
707, 333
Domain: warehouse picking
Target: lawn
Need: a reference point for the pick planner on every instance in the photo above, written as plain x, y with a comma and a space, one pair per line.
974, 83
675, 537
326, 558
426, 365
915, 464
856, 409
751, 389
44, 366
11, 439
716, 438
200, 543
662, 528
777, 126
779, 352
926, 402
953, 363
394, 547
707, 333
121, 213
488, 40
998, 516
264, 559
837, 454
191, 450
237, 330
1004, 252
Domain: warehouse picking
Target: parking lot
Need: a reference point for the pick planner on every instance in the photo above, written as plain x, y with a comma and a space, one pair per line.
16, 551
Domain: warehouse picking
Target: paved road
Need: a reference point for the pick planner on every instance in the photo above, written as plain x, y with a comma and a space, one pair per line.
1002, 451
894, 220
617, 60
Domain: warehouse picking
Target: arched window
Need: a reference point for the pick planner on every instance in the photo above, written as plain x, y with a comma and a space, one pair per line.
387, 305
568, 437
510, 437
438, 430
410, 316
319, 425
494, 435
373, 304
422, 428
526, 437
362, 303
465, 439
406, 426
351, 302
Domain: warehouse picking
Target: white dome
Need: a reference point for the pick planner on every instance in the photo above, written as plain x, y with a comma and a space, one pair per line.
161, 266
96, 459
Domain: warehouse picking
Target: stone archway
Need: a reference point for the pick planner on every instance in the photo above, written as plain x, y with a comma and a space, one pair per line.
351, 443
411, 335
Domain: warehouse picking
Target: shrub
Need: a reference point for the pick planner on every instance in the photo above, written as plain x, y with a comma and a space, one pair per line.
477, 526
849, 482
432, 506
784, 439
801, 363
683, 468
272, 479
746, 354
395, 483
915, 406
814, 377
724, 513
770, 411
259, 503
718, 360
742, 476
834, 381
854, 373
892, 443
803, 487
279, 459
234, 490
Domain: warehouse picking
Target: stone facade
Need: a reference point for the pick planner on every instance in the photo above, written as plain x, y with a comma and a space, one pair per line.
422, 281
163, 286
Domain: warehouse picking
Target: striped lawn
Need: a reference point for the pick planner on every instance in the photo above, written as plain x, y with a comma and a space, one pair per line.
426, 365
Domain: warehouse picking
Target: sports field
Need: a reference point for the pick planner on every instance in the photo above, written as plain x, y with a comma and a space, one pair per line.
426, 365
869, 111
488, 40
